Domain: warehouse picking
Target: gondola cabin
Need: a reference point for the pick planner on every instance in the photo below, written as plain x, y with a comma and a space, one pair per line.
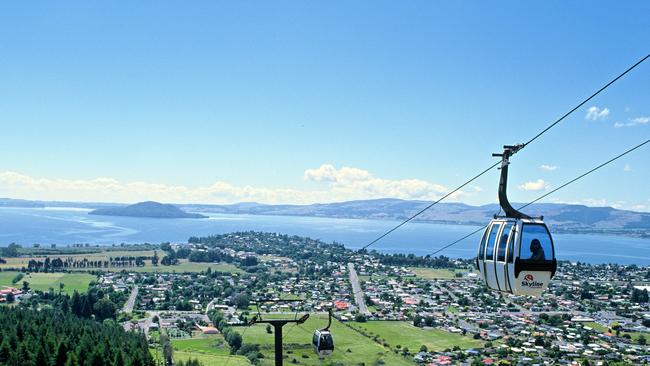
517, 256
323, 343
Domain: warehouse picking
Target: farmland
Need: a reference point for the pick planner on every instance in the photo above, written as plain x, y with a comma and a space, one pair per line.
45, 281
105, 255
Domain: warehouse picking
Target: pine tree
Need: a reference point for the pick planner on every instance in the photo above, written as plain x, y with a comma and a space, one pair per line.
5, 350
61, 355
76, 304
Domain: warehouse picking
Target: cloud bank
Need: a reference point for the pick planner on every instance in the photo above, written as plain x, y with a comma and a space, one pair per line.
331, 184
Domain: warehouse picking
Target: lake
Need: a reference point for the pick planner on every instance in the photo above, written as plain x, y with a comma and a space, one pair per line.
64, 226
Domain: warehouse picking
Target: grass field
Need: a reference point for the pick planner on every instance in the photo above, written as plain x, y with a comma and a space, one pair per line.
351, 348
184, 266
208, 349
211, 360
406, 335
102, 256
45, 281
433, 273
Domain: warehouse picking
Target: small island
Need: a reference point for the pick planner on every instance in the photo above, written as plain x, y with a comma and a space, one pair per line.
148, 209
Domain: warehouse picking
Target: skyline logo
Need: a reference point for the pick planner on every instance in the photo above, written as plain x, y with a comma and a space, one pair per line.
529, 281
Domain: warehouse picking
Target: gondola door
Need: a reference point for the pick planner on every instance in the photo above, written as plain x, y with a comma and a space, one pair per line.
488, 263
500, 265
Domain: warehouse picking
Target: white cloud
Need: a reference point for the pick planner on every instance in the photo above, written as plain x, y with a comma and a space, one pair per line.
538, 185
549, 168
627, 168
341, 184
594, 113
354, 182
633, 122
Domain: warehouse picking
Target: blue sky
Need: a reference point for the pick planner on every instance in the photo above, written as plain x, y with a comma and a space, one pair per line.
304, 102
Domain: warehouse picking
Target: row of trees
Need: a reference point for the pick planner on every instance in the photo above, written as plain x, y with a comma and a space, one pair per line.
58, 263
413, 260
210, 256
56, 338
234, 339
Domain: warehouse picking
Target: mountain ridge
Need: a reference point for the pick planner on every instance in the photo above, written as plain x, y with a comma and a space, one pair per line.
562, 217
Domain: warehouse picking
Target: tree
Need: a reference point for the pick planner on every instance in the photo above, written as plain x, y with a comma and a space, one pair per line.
76, 304
61, 355
269, 330
5, 350
25, 286
642, 340
11, 250
241, 300
104, 309
639, 296
154, 259
17, 278
10, 298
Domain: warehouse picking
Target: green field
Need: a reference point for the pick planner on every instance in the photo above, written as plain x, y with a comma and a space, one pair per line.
186, 266
209, 349
211, 360
20, 262
45, 281
433, 273
351, 348
406, 335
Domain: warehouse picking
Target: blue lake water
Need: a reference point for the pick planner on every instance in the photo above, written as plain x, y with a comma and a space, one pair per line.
64, 226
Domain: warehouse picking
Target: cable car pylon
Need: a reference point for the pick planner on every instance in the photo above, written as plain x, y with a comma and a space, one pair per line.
277, 328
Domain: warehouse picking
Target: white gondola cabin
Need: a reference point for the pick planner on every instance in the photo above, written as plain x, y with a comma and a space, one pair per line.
516, 253
323, 343
517, 256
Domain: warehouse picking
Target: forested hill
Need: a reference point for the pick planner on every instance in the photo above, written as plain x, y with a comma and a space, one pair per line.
53, 337
566, 217
147, 209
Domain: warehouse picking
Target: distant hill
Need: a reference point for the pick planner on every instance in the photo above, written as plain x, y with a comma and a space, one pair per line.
147, 209
562, 217
10, 202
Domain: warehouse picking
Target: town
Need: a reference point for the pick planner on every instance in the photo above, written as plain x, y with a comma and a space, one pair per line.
410, 312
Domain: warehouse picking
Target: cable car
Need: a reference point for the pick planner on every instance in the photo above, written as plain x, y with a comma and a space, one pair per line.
516, 253
323, 341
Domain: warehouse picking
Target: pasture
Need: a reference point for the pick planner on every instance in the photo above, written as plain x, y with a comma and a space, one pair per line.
45, 281
184, 266
208, 349
351, 348
406, 335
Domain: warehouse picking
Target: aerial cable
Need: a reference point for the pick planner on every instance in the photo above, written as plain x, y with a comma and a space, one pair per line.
524, 145
549, 193
592, 96
431, 205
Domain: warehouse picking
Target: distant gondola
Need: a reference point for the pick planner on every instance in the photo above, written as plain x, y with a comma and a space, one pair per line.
516, 253
322, 340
